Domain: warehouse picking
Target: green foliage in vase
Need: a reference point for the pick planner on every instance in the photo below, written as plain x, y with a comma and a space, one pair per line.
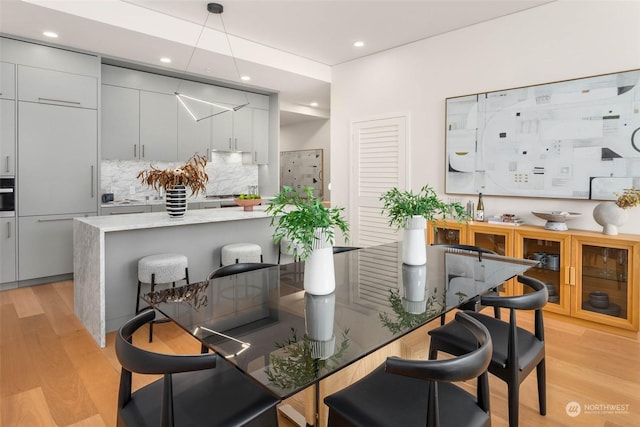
297, 366
400, 205
297, 220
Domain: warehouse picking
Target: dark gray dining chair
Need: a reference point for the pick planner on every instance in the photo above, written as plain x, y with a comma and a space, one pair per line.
237, 268
408, 393
474, 303
516, 351
196, 390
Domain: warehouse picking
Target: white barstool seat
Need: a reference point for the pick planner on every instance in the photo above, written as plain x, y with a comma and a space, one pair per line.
240, 252
158, 269
286, 252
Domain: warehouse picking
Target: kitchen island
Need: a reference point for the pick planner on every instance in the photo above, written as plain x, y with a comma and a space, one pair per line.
106, 250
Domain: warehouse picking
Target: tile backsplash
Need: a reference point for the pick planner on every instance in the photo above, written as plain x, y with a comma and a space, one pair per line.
227, 175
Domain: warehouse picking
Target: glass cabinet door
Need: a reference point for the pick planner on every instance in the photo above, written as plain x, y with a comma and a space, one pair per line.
498, 239
552, 253
445, 232
606, 280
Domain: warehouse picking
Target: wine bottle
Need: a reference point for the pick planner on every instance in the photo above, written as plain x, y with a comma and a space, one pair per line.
480, 209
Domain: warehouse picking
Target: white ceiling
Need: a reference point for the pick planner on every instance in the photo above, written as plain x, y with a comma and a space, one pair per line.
285, 46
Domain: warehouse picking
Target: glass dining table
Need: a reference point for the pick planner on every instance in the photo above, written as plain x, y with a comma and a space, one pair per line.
287, 340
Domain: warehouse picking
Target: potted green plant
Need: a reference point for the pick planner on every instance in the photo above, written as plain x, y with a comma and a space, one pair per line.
175, 181
410, 212
309, 226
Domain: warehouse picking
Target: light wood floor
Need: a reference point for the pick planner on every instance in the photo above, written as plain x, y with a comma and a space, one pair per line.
53, 374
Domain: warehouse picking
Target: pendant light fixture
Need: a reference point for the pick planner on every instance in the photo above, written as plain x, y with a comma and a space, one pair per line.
215, 8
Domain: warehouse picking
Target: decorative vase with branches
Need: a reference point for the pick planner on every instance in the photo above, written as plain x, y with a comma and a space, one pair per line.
191, 175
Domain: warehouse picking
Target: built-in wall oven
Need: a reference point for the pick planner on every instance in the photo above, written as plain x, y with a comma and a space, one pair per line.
7, 197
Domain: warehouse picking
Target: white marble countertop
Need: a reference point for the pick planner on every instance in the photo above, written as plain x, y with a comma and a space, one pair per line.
138, 202
162, 219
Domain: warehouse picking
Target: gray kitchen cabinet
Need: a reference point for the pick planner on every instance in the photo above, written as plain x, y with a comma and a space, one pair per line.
8, 250
193, 137
222, 132
158, 127
45, 245
121, 210
57, 87
260, 136
57, 156
210, 204
120, 123
7, 137
243, 129
232, 131
7, 81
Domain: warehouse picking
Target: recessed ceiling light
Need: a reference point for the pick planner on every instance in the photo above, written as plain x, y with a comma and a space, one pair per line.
50, 34
314, 104
245, 78
165, 60
358, 44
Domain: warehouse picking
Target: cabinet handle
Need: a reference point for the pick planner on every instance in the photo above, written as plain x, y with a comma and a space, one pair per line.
55, 219
7, 169
143, 151
572, 276
208, 156
235, 143
135, 150
59, 100
8, 230
92, 194
255, 156
230, 144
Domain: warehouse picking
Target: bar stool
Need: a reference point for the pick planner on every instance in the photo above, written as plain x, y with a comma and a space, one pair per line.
234, 253
157, 269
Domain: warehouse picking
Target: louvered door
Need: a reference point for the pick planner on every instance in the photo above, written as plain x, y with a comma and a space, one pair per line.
379, 164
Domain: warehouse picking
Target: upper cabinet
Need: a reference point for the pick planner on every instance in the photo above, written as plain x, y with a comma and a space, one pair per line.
166, 131
193, 136
158, 127
243, 129
120, 123
8, 136
7, 81
260, 136
222, 132
57, 88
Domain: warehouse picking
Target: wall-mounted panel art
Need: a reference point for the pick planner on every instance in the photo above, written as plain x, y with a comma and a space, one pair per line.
302, 168
576, 139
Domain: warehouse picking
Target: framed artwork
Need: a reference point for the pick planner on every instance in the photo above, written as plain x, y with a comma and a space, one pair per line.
575, 139
302, 168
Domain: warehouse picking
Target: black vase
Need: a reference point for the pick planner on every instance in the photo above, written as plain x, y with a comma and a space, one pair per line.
176, 201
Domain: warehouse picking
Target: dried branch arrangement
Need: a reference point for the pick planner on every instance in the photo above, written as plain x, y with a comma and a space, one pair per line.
629, 199
192, 175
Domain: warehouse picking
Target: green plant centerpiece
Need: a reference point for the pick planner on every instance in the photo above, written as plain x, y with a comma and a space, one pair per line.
298, 220
308, 227
411, 211
401, 205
